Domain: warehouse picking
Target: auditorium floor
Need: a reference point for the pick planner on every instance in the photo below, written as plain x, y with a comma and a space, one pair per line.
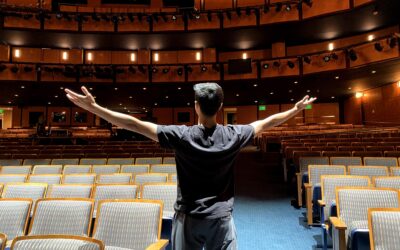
263, 215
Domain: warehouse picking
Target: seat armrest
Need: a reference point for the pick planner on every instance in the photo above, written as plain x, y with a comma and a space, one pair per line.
338, 223
321, 203
160, 244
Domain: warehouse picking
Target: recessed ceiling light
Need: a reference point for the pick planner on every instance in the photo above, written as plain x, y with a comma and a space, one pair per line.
188, 103
22, 87
332, 97
144, 88
91, 88
166, 97
370, 37
237, 94
9, 102
271, 93
179, 88
308, 91
130, 97
155, 104
336, 77
292, 99
56, 96
120, 104
16, 95
124, 107
373, 71
49, 103
255, 101
290, 91
255, 84
349, 88
143, 108
296, 82
116, 88
61, 87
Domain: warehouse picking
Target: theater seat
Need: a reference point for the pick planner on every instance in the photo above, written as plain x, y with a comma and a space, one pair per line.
15, 213
384, 228
40, 242
387, 182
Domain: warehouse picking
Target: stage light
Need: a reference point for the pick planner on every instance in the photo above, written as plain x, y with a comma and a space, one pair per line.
288, 7
244, 56
330, 46
278, 7
334, 56
140, 17
164, 16
265, 65
59, 15
370, 38
132, 69
216, 67
359, 94
2, 67
121, 18
154, 70
89, 56
198, 56
308, 2
17, 53
327, 58
179, 71
375, 11
197, 15
238, 12
14, 69
155, 17
276, 64
378, 47
133, 57
307, 59
156, 57
131, 17
174, 18
392, 42
203, 68
290, 64
65, 55
228, 15
142, 69
28, 69
189, 69
398, 84
352, 55
165, 70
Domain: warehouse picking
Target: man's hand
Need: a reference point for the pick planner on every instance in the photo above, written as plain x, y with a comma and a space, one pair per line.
84, 101
300, 105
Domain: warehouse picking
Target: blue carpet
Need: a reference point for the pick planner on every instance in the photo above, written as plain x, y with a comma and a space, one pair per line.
272, 224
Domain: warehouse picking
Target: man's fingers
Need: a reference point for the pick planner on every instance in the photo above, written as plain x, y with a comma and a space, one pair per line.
305, 98
85, 91
71, 93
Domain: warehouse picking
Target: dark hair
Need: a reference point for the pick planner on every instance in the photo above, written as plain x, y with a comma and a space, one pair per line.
209, 96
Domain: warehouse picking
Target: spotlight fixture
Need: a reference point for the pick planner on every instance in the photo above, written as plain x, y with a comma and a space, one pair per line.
327, 58
59, 15
67, 17
197, 15
203, 68
132, 69
189, 69
392, 42
95, 17
278, 7
352, 55
27, 16
375, 11
307, 59
288, 7
105, 17
276, 64
308, 3
290, 64
174, 18
165, 70
14, 69
179, 71
121, 18
216, 67
248, 11
142, 69
209, 16
220, 15
155, 17
265, 65
378, 47
334, 56
238, 12
154, 70
131, 17
119, 71
114, 19
140, 17
266, 9
228, 14
149, 19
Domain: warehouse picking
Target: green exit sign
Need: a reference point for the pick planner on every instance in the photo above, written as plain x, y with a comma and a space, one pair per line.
309, 106
262, 108
1, 111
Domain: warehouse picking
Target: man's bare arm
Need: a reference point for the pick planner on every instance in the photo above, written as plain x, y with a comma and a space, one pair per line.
87, 102
279, 118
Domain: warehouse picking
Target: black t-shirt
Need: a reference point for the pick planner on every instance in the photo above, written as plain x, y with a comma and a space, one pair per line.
204, 162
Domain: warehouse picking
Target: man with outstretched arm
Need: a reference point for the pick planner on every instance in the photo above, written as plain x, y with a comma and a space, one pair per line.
205, 155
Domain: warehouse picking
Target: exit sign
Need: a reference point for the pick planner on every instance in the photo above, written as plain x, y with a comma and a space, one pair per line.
309, 106
262, 108
1, 111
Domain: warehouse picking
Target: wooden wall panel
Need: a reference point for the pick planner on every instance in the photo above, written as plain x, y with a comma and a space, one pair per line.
203, 23
60, 24
189, 109
144, 56
99, 57
136, 25
278, 50
338, 43
165, 57
270, 110
246, 114
75, 56
8, 75
24, 3
321, 7
367, 54
90, 117
51, 56
322, 113
209, 55
352, 111
374, 106
244, 3
220, 4
253, 54
164, 116
19, 22
16, 117
27, 55
188, 56
102, 25
276, 17
4, 53
318, 64
282, 70
240, 21
198, 76
133, 77
171, 76
123, 57
170, 25
251, 75
57, 76
25, 114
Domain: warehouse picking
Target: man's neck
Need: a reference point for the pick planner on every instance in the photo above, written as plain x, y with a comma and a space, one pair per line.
208, 122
